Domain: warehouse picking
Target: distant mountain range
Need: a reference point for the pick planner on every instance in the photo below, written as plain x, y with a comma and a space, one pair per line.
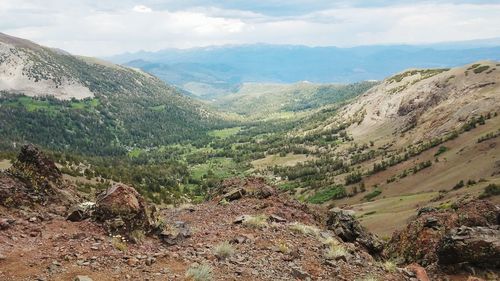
213, 72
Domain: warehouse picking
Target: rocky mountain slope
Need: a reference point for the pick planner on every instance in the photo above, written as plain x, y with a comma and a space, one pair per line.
46, 92
246, 231
425, 103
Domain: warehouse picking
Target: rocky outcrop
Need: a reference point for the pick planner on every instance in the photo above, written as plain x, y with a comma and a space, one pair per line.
236, 188
234, 194
439, 229
34, 160
479, 246
122, 209
32, 179
343, 223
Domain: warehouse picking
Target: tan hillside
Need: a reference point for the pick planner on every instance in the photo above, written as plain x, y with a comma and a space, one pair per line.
433, 102
26, 68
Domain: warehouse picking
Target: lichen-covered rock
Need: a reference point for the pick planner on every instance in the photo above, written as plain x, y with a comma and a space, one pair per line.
478, 246
122, 209
343, 223
81, 211
173, 234
419, 240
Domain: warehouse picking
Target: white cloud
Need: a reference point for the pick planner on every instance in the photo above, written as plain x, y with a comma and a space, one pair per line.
89, 27
142, 9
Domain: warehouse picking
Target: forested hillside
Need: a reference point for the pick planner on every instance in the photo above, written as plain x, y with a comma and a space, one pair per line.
258, 99
87, 106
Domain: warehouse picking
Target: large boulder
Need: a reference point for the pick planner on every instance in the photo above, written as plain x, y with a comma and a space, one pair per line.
122, 209
479, 246
345, 225
419, 240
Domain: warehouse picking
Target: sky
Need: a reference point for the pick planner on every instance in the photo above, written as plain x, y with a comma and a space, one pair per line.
108, 27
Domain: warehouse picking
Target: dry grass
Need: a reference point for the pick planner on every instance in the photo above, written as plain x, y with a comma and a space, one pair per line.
223, 250
137, 236
336, 251
390, 266
259, 221
283, 248
303, 228
119, 244
201, 272
368, 278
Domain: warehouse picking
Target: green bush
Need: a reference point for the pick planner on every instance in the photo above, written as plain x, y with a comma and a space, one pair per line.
376, 192
441, 150
490, 190
459, 185
335, 192
480, 69
353, 178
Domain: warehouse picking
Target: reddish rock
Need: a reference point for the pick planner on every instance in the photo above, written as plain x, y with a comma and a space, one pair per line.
122, 209
478, 246
419, 241
419, 271
236, 188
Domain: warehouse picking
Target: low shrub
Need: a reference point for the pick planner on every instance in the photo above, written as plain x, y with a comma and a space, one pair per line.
336, 251
223, 250
490, 190
303, 228
202, 272
376, 192
259, 221
459, 185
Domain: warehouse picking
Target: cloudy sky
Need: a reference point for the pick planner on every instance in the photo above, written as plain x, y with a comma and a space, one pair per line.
106, 27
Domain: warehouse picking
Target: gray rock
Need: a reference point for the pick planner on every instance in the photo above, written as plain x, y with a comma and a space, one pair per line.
431, 222
175, 233
300, 274
150, 261
425, 210
81, 211
234, 194
4, 224
240, 219
275, 218
478, 246
343, 223
82, 278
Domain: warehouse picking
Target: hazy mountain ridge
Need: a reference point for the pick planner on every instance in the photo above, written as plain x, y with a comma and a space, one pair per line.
218, 70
